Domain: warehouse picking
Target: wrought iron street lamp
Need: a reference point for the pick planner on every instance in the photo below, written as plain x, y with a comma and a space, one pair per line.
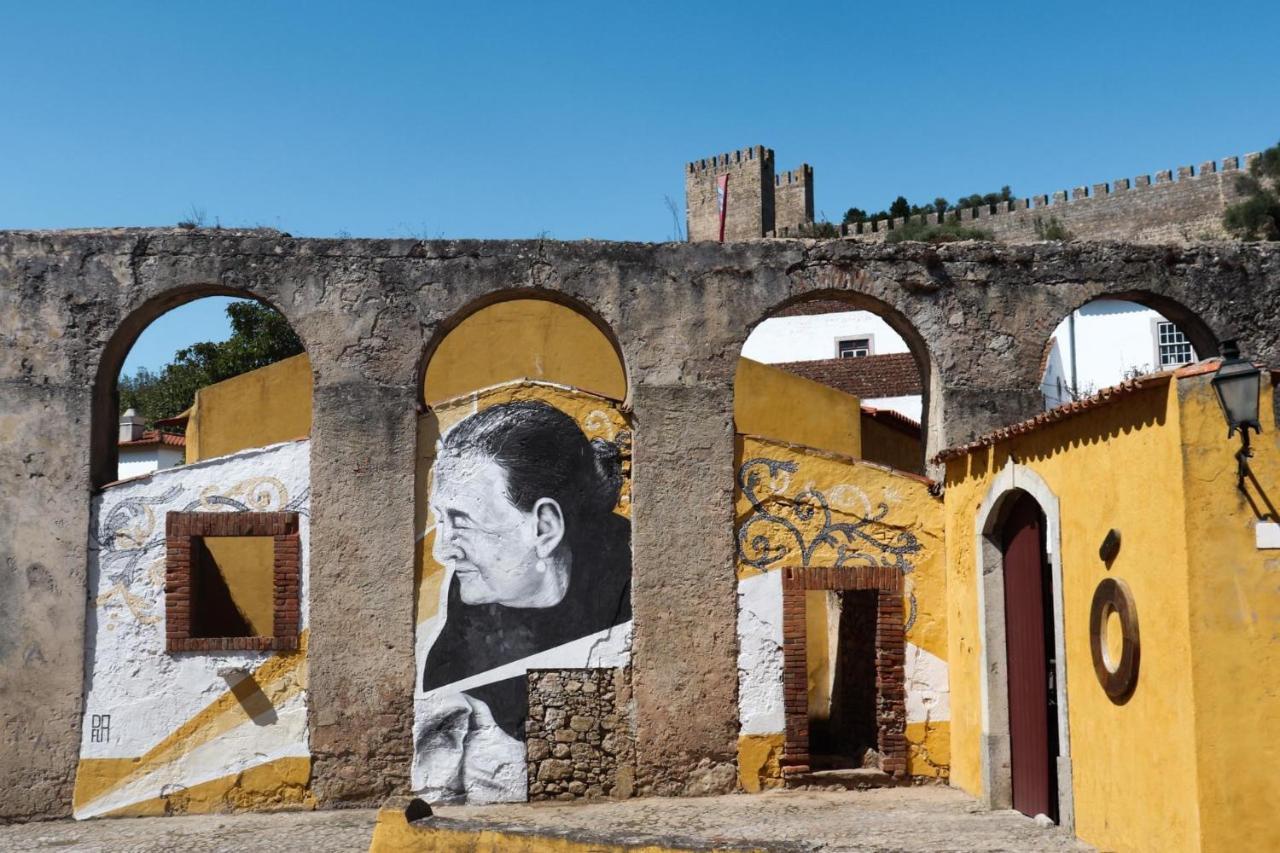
1238, 384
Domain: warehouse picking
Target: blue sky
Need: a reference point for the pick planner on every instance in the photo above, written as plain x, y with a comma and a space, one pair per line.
574, 119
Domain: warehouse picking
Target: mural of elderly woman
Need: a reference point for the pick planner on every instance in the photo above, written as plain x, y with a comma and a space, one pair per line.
524, 524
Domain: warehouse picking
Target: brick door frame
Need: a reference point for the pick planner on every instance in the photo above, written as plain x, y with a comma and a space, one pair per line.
891, 712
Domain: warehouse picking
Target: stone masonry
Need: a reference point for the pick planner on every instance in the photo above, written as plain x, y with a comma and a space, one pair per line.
1139, 210
579, 739
975, 316
759, 200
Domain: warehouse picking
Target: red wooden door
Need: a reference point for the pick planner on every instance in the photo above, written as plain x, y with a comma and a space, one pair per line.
1029, 644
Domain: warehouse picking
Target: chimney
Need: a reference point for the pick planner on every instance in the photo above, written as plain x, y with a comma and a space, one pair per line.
131, 426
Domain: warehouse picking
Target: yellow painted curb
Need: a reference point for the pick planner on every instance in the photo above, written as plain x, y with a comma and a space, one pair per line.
394, 834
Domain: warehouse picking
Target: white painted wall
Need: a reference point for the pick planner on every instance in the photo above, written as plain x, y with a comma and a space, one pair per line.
1112, 339
136, 461
148, 692
810, 338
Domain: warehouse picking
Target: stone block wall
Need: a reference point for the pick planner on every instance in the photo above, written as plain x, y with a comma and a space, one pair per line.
1141, 210
579, 741
793, 197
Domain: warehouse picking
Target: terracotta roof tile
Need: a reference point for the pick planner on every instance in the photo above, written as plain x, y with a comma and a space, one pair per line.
892, 375
152, 438
1069, 410
893, 420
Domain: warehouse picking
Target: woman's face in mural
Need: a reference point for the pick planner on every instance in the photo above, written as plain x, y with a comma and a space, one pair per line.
500, 553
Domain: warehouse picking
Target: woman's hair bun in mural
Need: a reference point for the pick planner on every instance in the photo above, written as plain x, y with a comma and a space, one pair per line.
539, 573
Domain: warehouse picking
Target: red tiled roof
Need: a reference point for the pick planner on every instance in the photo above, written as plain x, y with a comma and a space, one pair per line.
152, 438
892, 375
1069, 410
893, 420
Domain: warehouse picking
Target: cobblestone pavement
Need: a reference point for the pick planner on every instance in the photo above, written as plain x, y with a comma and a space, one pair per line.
282, 832
932, 818
900, 819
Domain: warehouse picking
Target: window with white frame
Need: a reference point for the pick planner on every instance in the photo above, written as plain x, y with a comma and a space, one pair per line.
1173, 346
853, 347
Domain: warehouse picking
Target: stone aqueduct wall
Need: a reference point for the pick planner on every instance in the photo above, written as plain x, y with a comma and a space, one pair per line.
1139, 210
72, 303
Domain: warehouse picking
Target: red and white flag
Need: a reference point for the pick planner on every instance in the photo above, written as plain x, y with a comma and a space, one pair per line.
722, 200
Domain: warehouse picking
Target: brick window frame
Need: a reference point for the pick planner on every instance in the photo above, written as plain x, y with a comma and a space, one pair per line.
891, 710
181, 528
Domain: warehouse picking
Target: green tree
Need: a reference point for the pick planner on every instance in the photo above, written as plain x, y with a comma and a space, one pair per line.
1257, 216
260, 335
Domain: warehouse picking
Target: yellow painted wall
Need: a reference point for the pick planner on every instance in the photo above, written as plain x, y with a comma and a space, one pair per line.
1118, 466
261, 407
524, 339
892, 447
247, 565
1234, 621
773, 403
899, 505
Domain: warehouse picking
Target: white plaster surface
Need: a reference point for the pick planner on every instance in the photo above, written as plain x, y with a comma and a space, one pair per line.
908, 405
760, 698
136, 461
814, 337
129, 675
1113, 338
928, 686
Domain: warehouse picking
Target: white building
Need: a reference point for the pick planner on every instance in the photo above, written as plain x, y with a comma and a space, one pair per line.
1106, 342
143, 451
1098, 345
821, 337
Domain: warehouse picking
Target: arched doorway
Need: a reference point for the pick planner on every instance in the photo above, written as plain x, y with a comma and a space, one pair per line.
1029, 649
1026, 745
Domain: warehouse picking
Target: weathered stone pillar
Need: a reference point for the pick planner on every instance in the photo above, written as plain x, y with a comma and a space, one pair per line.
361, 591
684, 592
44, 525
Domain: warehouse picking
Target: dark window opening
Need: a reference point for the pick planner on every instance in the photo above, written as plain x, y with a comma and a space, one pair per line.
854, 347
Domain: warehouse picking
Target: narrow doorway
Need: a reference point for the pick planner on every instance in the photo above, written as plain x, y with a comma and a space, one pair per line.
1029, 642
843, 729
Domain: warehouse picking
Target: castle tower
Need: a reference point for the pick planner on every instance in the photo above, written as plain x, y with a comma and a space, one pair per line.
751, 189
793, 198
759, 200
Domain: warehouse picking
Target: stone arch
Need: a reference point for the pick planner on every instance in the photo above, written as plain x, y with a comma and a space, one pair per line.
997, 784
536, 383
1202, 336
104, 407
1203, 339
831, 299
469, 311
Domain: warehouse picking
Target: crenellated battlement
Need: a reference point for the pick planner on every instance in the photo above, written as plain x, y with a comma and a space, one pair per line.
1171, 205
718, 163
795, 176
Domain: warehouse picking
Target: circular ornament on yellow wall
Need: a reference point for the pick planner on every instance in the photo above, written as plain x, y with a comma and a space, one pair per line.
1118, 677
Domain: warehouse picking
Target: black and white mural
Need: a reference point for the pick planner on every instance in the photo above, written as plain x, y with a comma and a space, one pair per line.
536, 564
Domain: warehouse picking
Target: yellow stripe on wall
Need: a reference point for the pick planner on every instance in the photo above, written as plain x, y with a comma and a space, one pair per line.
278, 679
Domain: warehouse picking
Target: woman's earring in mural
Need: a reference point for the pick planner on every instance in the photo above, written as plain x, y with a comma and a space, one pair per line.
541, 565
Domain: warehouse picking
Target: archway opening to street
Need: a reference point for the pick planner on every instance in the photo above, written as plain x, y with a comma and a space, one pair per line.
862, 349
1107, 341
